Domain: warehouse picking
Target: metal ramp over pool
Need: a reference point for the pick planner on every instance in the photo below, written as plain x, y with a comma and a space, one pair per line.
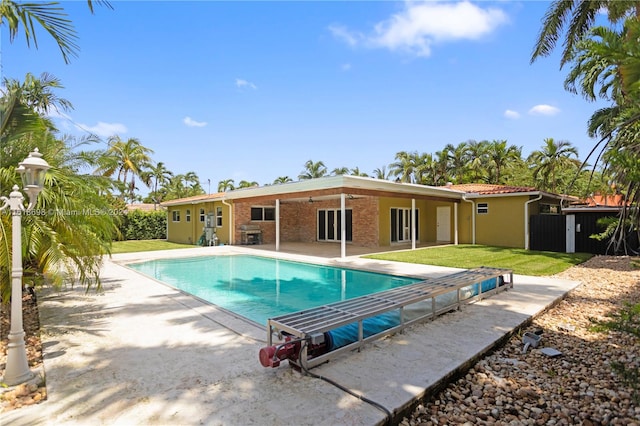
397, 308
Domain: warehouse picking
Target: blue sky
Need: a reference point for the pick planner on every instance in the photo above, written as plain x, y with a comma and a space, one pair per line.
252, 90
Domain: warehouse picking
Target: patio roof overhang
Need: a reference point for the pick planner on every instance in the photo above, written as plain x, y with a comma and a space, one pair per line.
353, 186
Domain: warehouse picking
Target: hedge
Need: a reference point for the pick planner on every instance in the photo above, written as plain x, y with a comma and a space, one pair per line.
144, 225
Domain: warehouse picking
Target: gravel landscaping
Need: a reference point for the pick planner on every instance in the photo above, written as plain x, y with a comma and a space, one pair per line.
582, 385
579, 386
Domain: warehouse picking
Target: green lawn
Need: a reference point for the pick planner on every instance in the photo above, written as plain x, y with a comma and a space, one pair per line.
145, 245
521, 261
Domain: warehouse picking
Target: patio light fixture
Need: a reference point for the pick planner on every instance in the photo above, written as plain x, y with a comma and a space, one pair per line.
32, 171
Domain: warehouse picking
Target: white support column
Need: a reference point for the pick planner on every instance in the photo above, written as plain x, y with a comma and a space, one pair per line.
413, 224
455, 224
343, 226
278, 224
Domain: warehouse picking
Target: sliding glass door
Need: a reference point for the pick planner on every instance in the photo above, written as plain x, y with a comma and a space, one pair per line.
329, 225
401, 225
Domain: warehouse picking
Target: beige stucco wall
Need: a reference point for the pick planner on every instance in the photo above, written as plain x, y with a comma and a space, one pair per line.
502, 226
465, 225
427, 217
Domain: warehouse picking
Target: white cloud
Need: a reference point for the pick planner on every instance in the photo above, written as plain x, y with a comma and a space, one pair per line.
513, 115
544, 109
343, 33
345, 67
104, 129
190, 122
244, 83
422, 24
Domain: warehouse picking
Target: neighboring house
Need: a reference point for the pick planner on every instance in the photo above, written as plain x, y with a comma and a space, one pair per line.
614, 201
377, 213
145, 207
581, 224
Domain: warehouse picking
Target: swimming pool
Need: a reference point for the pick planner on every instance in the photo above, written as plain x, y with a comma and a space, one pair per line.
259, 288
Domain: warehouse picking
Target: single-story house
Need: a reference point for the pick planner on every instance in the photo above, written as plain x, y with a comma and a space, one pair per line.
377, 213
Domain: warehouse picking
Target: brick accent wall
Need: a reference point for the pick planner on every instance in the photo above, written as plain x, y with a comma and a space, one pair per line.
366, 221
298, 220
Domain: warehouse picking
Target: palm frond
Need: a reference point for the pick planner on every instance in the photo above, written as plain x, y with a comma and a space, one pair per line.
50, 16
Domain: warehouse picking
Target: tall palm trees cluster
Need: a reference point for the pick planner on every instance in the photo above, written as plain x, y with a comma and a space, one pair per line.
130, 160
554, 167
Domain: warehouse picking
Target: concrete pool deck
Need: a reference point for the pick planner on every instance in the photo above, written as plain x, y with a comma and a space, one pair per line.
143, 353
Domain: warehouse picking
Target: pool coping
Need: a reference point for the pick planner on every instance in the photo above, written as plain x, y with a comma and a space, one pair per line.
141, 352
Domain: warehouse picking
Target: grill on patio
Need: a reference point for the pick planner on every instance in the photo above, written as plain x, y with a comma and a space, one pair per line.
250, 234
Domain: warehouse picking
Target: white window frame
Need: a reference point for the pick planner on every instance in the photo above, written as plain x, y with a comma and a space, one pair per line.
218, 217
175, 216
482, 208
188, 215
403, 214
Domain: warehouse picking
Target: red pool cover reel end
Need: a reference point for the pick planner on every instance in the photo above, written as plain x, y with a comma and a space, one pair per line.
270, 356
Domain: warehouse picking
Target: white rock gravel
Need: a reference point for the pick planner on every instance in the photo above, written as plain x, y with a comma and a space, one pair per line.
579, 386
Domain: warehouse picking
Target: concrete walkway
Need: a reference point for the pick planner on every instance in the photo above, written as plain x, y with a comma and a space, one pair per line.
143, 353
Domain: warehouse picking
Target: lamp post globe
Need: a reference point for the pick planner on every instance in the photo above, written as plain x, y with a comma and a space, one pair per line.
32, 171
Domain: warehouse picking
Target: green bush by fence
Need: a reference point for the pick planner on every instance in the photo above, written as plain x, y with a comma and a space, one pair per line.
141, 225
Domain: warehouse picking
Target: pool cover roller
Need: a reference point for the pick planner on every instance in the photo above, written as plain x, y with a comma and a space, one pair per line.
322, 343
271, 356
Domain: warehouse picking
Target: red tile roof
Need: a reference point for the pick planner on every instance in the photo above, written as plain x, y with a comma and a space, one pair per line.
486, 188
616, 200
188, 200
144, 207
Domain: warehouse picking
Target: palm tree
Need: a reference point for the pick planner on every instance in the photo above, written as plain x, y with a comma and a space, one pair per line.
501, 157
381, 173
340, 171
553, 157
404, 166
478, 164
578, 17
50, 16
441, 168
183, 185
282, 179
425, 170
36, 93
356, 172
607, 66
247, 184
193, 184
458, 158
159, 175
77, 228
313, 170
126, 159
226, 185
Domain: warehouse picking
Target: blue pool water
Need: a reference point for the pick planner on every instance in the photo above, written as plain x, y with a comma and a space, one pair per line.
259, 288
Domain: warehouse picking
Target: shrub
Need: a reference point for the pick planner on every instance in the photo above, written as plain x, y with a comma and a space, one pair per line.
141, 225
